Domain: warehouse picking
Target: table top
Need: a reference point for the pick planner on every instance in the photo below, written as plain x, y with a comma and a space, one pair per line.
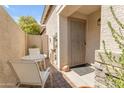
34, 57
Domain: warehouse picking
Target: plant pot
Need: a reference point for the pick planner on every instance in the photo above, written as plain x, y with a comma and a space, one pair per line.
66, 68
34, 51
86, 87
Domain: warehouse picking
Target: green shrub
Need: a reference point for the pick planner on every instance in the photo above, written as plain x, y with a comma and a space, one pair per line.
118, 80
33, 46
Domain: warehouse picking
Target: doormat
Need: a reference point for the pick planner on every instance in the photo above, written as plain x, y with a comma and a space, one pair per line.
83, 70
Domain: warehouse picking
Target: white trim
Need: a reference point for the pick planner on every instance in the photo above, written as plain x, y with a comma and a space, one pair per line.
58, 37
60, 8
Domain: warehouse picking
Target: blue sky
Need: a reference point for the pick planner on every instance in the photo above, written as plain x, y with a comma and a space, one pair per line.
15, 11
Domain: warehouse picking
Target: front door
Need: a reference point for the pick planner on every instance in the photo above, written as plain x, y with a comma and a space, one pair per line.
77, 38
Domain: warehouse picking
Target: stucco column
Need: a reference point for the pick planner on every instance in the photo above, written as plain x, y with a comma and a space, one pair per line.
62, 41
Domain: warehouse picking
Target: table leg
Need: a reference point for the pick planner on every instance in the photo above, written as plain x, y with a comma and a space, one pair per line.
51, 78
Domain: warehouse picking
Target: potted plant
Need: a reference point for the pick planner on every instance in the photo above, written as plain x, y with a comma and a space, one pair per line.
33, 46
33, 50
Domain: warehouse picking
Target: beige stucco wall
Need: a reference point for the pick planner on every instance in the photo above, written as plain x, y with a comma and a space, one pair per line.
51, 30
45, 45
105, 31
92, 36
51, 25
64, 42
58, 24
12, 45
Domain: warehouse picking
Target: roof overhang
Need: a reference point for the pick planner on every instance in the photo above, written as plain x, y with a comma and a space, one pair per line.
45, 16
45, 13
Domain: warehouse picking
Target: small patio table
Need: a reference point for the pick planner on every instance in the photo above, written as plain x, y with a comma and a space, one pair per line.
36, 58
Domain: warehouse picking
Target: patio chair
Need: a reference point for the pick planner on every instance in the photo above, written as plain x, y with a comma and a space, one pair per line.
28, 73
35, 53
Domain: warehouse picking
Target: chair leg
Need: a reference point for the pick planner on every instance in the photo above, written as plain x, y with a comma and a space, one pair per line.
51, 79
40, 66
18, 84
42, 86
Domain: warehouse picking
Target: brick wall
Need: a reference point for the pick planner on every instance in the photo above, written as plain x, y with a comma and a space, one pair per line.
101, 69
101, 72
105, 31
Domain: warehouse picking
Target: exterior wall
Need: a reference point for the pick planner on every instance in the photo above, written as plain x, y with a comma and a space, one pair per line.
12, 45
51, 31
105, 31
103, 68
45, 45
57, 24
64, 50
34, 40
92, 36
106, 35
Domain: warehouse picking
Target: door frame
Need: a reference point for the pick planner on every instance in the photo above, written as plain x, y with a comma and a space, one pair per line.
69, 38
